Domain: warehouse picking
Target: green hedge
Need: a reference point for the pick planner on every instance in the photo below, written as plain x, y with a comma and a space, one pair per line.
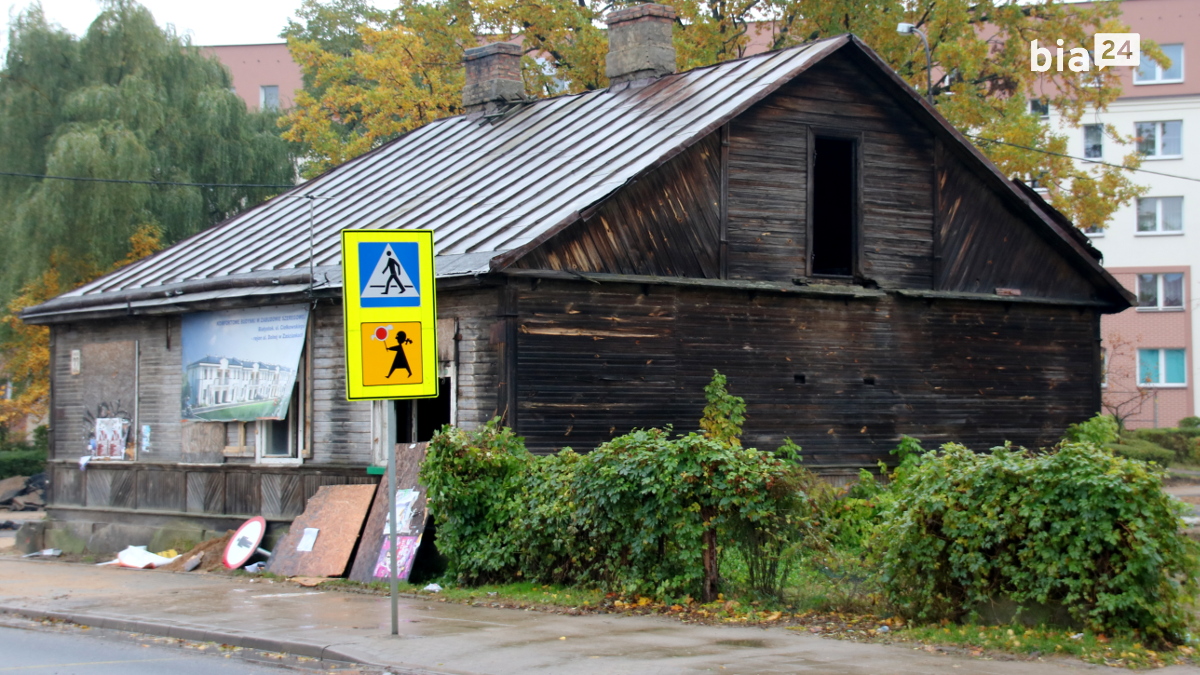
1181, 442
1136, 448
1076, 526
21, 462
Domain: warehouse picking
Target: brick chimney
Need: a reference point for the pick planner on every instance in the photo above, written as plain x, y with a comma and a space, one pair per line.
639, 43
493, 76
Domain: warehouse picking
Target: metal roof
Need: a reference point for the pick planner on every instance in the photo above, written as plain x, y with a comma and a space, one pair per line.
490, 186
484, 185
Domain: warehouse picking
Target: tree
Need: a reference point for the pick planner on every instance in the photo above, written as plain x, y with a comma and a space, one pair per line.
980, 50
1123, 395
362, 92
128, 100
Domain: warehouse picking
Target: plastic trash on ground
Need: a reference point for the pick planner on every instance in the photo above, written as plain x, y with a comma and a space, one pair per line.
137, 557
44, 553
255, 568
433, 588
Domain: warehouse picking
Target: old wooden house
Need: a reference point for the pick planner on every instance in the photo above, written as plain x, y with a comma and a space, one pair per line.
801, 220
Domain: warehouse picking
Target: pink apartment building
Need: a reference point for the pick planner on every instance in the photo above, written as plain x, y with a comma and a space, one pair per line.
1151, 244
265, 76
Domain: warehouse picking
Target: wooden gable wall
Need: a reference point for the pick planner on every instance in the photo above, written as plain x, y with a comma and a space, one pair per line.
932, 217
768, 178
985, 242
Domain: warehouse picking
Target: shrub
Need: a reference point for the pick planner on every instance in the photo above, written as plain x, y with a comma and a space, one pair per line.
1146, 451
1076, 526
475, 480
21, 462
1181, 442
1100, 430
641, 514
1189, 423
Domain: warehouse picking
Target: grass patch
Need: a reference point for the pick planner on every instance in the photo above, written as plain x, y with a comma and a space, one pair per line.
1118, 651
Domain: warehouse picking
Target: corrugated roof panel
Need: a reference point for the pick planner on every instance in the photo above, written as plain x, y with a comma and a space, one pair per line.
484, 185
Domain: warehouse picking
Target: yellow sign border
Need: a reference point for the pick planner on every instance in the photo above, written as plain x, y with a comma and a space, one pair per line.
354, 315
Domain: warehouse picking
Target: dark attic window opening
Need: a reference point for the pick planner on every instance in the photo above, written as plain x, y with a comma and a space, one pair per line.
870, 379
833, 202
799, 378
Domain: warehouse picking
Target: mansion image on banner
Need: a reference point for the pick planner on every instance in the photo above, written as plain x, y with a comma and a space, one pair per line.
221, 381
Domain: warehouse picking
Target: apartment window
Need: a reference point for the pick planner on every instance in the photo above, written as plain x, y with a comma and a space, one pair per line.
1160, 215
1161, 368
1103, 366
268, 97
833, 203
1160, 291
1160, 139
282, 441
1039, 107
1093, 231
1093, 141
1152, 73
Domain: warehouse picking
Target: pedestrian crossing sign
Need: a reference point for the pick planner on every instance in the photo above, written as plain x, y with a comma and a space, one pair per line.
390, 312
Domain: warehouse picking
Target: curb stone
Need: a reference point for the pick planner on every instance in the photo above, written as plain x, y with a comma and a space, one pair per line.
192, 633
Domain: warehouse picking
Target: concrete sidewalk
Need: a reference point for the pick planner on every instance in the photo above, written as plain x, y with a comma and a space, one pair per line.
441, 637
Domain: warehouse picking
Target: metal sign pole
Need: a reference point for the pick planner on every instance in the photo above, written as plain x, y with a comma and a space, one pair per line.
392, 535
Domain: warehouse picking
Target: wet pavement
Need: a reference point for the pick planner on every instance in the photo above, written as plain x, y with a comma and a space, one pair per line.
79, 654
451, 638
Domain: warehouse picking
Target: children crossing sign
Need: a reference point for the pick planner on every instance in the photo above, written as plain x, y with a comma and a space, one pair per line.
390, 313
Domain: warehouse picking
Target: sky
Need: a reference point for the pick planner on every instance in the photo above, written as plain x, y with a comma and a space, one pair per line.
210, 22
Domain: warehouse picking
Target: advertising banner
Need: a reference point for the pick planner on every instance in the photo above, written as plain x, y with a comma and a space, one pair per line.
241, 364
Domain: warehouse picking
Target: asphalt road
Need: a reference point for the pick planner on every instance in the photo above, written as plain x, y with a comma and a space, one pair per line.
73, 653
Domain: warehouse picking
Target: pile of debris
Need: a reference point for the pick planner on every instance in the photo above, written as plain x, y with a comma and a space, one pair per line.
23, 493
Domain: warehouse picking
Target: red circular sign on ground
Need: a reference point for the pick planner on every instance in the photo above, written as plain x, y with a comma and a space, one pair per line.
245, 542
381, 333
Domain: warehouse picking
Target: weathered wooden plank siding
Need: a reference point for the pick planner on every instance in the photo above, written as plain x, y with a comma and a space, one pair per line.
161, 379
665, 223
768, 176
341, 429
594, 362
979, 373
768, 173
477, 374
985, 245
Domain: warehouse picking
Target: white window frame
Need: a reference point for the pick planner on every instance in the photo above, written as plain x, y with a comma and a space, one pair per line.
262, 97
1158, 69
1085, 141
298, 439
1162, 368
1104, 367
1158, 218
1158, 283
1158, 139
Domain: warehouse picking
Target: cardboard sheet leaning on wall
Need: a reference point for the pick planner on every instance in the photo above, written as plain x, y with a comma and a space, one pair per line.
321, 540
